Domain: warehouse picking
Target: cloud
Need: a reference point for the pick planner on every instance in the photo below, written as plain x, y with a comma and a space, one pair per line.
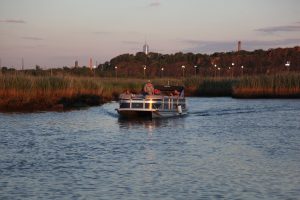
32, 38
223, 46
34, 46
207, 46
15, 21
285, 28
284, 42
115, 33
154, 4
130, 42
65, 57
102, 33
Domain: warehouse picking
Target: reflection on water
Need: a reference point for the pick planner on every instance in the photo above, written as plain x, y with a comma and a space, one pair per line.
150, 125
223, 149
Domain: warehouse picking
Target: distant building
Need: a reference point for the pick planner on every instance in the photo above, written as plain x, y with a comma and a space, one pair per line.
22, 63
239, 46
146, 48
76, 64
91, 63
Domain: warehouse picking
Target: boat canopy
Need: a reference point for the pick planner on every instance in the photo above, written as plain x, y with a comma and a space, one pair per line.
166, 89
169, 88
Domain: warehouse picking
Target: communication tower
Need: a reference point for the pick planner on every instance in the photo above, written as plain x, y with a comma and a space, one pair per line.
146, 48
22, 63
76, 64
239, 46
91, 64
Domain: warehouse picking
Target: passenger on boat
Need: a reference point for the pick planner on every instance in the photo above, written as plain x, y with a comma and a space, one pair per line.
156, 91
126, 94
148, 88
175, 93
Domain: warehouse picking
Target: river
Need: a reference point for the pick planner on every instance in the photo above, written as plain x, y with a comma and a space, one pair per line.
223, 149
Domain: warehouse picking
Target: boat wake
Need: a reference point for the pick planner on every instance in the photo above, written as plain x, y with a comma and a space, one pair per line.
112, 114
217, 112
234, 111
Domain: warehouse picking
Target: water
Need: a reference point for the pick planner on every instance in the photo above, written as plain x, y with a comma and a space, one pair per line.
224, 149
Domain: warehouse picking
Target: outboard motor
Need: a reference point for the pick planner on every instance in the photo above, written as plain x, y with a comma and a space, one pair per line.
179, 109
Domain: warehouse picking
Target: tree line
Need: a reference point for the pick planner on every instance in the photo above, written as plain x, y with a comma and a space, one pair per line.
180, 64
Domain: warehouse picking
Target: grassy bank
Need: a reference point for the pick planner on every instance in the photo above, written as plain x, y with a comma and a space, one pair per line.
209, 87
24, 93
286, 85
268, 86
32, 93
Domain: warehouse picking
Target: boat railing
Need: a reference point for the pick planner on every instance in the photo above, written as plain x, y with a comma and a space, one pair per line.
151, 102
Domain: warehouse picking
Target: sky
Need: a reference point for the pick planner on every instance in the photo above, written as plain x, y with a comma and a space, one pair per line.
55, 33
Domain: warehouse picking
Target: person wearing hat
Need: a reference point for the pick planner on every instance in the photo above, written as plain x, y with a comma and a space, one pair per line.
148, 88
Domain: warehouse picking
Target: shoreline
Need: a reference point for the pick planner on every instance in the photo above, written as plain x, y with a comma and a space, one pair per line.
86, 101
27, 93
61, 105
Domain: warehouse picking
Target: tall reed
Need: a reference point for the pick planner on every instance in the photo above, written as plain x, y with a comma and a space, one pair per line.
42, 92
285, 85
20, 91
216, 87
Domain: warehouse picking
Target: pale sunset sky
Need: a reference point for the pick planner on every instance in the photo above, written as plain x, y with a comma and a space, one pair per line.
55, 33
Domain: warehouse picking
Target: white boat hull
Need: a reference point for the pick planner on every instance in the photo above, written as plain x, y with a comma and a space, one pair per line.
133, 113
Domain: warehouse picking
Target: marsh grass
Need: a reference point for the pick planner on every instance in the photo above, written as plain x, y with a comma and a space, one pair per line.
27, 92
268, 86
216, 87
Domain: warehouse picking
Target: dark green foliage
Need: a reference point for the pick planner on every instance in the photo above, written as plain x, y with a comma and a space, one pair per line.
216, 87
270, 81
128, 65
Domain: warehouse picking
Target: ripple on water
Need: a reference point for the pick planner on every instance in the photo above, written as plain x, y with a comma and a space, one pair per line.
224, 149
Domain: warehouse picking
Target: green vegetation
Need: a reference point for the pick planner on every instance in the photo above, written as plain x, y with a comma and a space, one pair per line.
274, 73
21, 92
229, 64
216, 87
285, 85
28, 93
246, 63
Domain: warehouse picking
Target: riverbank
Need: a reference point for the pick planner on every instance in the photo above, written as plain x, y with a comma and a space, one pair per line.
285, 85
268, 86
27, 93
